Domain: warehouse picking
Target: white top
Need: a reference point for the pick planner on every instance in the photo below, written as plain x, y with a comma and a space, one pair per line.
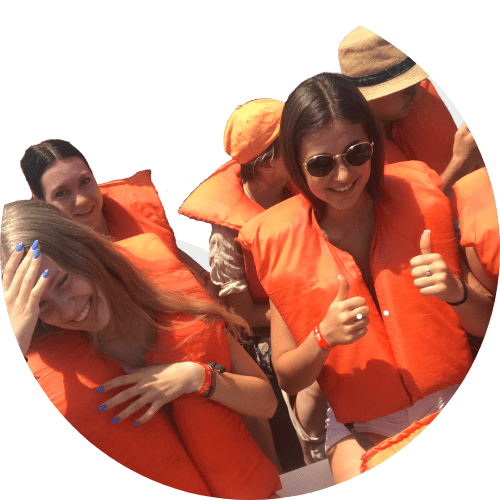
225, 257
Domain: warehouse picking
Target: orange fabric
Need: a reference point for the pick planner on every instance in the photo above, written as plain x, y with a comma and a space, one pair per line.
427, 133
478, 219
69, 371
387, 448
227, 458
132, 206
404, 356
221, 460
252, 128
221, 200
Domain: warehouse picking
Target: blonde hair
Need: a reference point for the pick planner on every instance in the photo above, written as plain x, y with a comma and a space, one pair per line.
83, 252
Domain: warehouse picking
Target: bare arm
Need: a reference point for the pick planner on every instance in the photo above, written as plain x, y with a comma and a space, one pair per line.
479, 273
466, 156
297, 367
246, 390
476, 317
475, 312
243, 304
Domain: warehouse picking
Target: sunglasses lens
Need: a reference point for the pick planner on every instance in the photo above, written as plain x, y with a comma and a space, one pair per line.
320, 166
359, 154
356, 155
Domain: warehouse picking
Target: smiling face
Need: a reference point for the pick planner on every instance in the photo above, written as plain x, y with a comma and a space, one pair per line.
344, 188
70, 186
69, 302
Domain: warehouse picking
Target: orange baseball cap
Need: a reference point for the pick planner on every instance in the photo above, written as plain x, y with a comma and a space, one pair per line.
252, 128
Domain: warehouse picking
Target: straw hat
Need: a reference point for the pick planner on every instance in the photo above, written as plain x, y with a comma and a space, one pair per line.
252, 128
375, 66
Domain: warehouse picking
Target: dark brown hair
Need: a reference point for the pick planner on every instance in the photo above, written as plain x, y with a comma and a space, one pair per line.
40, 157
312, 105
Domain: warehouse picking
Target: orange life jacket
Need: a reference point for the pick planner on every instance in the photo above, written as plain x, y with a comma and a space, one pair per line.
222, 459
417, 347
132, 206
426, 134
221, 200
392, 445
69, 371
478, 219
229, 461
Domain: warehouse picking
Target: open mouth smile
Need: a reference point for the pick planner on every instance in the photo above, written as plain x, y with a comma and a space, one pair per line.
343, 189
83, 214
85, 312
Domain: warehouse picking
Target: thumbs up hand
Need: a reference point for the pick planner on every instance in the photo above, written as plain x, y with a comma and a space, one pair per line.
346, 319
432, 275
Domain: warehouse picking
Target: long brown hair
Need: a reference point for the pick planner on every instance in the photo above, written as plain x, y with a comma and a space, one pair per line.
83, 252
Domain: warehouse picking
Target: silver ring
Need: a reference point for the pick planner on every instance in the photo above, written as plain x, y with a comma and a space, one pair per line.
153, 409
359, 316
427, 271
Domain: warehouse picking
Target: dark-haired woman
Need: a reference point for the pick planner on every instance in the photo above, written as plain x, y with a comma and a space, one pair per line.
362, 274
58, 173
137, 306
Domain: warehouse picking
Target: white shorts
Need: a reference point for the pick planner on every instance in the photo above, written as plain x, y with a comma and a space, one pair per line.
392, 424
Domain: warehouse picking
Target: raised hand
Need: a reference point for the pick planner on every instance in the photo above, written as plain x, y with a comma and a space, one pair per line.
432, 275
347, 319
465, 151
155, 385
23, 287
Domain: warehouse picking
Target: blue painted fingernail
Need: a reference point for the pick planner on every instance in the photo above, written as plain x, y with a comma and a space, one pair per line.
35, 245
126, 367
136, 424
102, 408
45, 273
36, 254
100, 389
115, 420
19, 247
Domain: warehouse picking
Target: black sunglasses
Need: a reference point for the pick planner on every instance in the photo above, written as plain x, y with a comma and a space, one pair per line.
355, 156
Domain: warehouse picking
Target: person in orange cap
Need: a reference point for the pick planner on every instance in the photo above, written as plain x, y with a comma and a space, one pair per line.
254, 180
415, 121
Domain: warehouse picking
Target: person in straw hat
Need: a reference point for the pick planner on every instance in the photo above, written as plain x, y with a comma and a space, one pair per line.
416, 123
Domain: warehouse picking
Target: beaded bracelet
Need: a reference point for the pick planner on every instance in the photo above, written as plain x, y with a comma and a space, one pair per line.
321, 341
465, 295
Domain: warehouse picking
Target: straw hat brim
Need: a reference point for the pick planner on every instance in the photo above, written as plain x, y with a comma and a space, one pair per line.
411, 77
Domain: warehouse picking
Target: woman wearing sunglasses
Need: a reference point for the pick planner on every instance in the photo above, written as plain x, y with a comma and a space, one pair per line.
362, 274
133, 301
58, 173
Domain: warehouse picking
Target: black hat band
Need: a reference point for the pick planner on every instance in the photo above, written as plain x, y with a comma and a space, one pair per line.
384, 75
